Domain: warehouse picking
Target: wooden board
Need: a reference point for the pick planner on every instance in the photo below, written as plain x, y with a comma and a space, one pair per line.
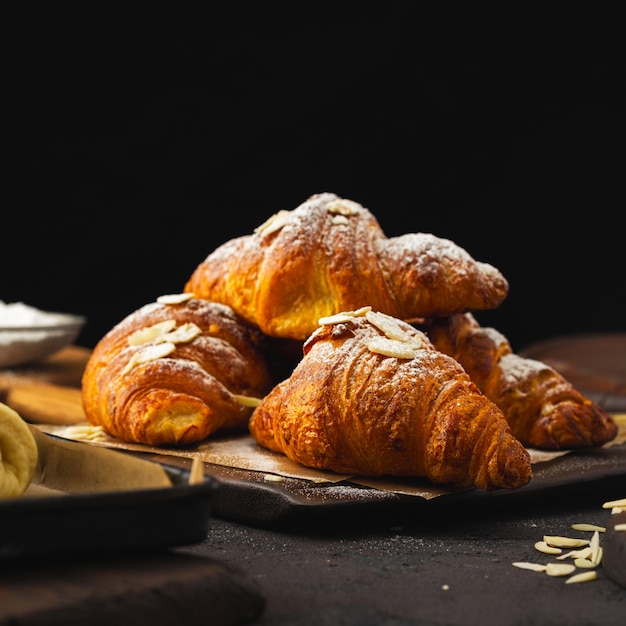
65, 368
48, 392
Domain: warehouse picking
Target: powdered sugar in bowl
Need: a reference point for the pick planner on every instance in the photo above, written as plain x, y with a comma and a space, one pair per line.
28, 335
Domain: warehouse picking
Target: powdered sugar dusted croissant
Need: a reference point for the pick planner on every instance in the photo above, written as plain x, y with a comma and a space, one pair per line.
174, 372
330, 255
543, 409
372, 396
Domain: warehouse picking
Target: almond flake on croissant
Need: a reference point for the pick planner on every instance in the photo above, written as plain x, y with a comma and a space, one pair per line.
175, 371
543, 409
330, 255
373, 397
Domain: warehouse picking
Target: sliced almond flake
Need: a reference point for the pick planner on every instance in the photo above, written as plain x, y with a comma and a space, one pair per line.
247, 400
576, 554
183, 334
588, 527
617, 509
559, 569
393, 330
273, 478
392, 348
594, 544
542, 546
85, 432
340, 220
614, 503
151, 352
583, 577
344, 316
598, 557
388, 325
273, 223
584, 563
196, 474
343, 207
150, 333
565, 542
535, 567
175, 298
619, 527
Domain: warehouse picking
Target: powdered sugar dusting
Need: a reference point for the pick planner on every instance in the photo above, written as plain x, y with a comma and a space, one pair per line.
516, 368
424, 249
495, 336
18, 314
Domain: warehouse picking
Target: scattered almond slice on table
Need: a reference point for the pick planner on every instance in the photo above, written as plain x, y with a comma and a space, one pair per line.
586, 554
617, 506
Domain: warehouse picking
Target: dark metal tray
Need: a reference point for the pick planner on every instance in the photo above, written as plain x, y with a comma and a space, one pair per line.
253, 494
127, 520
247, 497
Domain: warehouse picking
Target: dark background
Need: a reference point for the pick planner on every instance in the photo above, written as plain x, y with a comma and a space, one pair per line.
137, 138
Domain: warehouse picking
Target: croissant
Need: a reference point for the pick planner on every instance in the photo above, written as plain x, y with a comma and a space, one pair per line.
175, 371
329, 255
18, 453
372, 396
543, 409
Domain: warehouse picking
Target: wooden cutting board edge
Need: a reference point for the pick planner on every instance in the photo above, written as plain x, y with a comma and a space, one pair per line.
48, 392
43, 403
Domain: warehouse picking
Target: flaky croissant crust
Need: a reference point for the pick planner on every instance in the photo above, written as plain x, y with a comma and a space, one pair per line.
378, 399
329, 255
543, 409
174, 373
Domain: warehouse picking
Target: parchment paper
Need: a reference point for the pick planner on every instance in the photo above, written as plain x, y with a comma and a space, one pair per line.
242, 452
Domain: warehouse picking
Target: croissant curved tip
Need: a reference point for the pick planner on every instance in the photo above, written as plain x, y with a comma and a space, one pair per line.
572, 426
517, 472
510, 467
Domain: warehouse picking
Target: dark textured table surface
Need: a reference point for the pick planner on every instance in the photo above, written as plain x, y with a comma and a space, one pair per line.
355, 567
452, 567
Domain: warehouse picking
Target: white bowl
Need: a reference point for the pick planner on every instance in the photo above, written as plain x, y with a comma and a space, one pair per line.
30, 343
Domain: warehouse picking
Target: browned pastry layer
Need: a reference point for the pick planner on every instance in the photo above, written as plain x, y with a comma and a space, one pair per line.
543, 409
329, 255
175, 373
372, 396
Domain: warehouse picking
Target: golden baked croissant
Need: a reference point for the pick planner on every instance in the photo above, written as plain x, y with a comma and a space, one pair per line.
329, 255
543, 409
372, 396
173, 372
